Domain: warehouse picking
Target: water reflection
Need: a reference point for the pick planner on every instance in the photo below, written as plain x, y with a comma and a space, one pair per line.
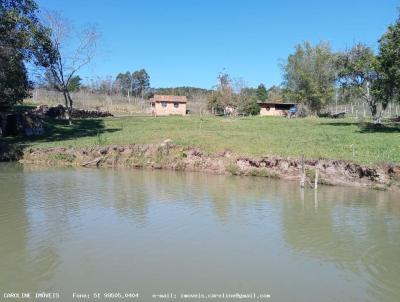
358, 230
67, 229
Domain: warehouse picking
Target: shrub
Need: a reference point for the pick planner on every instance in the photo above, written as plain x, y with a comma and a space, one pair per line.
263, 173
233, 169
62, 157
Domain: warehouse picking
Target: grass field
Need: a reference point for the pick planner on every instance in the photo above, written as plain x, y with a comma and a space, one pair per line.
314, 138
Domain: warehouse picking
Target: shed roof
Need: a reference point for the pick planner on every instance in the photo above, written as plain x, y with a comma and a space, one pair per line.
168, 98
275, 103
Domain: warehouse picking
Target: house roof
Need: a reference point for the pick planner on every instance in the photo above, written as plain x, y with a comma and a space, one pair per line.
168, 98
275, 103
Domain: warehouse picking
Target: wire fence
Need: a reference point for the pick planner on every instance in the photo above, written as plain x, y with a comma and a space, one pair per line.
197, 104
115, 103
361, 110
94, 101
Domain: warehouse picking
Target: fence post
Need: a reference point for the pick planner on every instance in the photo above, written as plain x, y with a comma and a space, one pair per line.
316, 178
303, 173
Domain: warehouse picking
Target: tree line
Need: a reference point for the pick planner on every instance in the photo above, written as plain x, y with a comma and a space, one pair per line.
313, 75
237, 96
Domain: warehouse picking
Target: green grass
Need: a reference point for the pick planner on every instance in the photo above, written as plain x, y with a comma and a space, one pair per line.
314, 138
62, 157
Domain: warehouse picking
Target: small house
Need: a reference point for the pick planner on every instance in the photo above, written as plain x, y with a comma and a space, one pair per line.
162, 105
275, 109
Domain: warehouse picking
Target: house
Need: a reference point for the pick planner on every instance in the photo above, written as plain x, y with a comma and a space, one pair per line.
275, 108
168, 105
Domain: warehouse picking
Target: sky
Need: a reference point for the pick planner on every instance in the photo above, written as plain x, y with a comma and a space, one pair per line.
188, 42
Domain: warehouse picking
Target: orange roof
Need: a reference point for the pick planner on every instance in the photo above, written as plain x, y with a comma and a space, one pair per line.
168, 98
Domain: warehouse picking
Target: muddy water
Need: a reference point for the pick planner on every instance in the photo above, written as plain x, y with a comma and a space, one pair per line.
87, 231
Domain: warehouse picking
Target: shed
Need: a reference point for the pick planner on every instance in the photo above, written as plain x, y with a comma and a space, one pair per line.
162, 105
275, 108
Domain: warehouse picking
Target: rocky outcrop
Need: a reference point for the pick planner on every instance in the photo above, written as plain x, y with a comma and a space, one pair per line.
167, 155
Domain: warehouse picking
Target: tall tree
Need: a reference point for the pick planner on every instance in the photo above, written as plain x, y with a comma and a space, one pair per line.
223, 95
125, 83
357, 72
22, 39
72, 51
140, 82
387, 87
14, 84
261, 92
309, 75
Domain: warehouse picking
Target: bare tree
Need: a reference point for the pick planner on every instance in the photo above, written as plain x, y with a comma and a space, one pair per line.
72, 51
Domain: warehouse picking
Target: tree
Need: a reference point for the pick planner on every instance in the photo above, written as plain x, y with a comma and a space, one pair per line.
387, 86
22, 39
275, 94
357, 72
14, 84
140, 82
223, 95
125, 83
261, 92
309, 75
72, 51
249, 105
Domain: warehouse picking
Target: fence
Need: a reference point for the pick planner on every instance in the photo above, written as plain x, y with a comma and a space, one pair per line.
115, 103
361, 110
93, 101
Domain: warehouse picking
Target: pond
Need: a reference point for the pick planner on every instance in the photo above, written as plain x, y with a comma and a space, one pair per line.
86, 231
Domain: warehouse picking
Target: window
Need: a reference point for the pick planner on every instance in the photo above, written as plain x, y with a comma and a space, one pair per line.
268, 108
176, 105
282, 106
164, 104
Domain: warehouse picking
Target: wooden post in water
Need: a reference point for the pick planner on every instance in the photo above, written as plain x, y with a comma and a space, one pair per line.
303, 173
316, 200
316, 178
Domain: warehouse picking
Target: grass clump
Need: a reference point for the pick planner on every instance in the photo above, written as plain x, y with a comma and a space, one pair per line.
232, 169
65, 157
263, 173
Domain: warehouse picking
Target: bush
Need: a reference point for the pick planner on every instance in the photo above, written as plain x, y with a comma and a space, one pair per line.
233, 169
62, 157
249, 106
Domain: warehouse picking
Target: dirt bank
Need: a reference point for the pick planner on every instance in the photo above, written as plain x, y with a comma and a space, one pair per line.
167, 155
10, 153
